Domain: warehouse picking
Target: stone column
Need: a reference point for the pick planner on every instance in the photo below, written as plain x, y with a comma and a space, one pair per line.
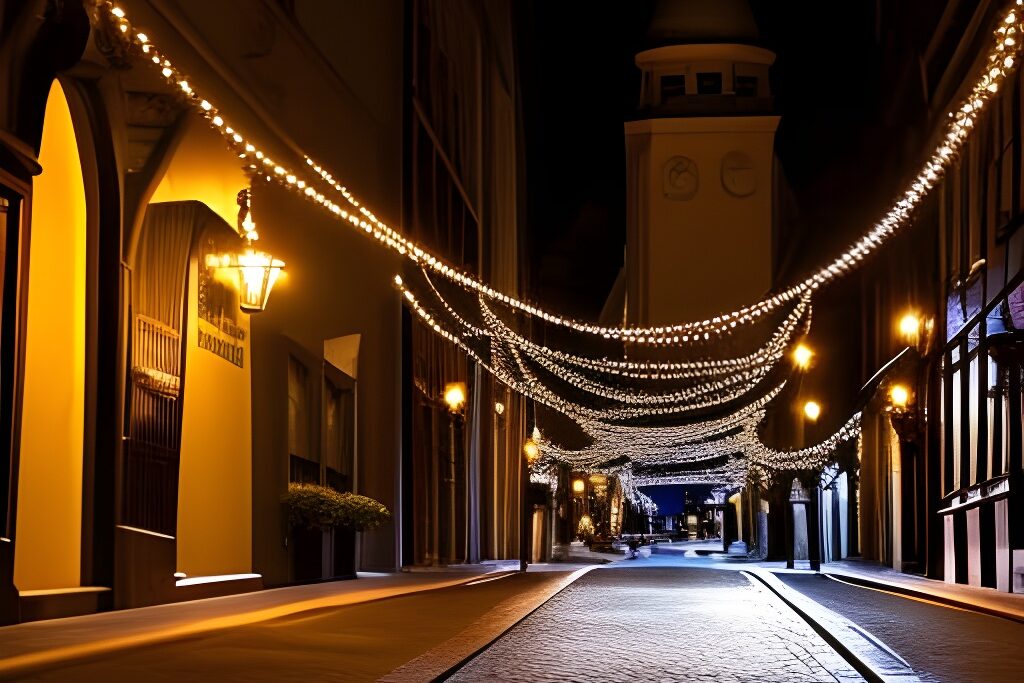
798, 501
762, 529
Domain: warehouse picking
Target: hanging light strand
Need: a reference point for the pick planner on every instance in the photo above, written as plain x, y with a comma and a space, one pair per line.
1002, 60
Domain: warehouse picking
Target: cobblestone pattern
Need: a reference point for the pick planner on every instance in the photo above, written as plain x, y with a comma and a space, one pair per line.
660, 624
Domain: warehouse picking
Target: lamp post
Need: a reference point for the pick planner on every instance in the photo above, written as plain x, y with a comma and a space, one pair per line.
455, 397
804, 545
531, 453
904, 419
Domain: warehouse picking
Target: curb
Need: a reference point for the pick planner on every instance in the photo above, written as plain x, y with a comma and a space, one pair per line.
876, 584
443, 661
868, 655
21, 664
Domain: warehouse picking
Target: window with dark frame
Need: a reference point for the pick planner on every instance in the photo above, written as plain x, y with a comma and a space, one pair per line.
709, 83
672, 86
339, 432
302, 467
981, 412
745, 86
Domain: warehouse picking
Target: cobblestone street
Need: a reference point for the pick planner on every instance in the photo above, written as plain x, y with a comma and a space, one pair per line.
660, 624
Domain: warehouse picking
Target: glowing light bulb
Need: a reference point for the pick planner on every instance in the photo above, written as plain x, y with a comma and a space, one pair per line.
812, 410
910, 327
802, 356
531, 450
455, 395
899, 396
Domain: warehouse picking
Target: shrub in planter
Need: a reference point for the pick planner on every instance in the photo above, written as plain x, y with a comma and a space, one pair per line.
313, 510
313, 506
360, 513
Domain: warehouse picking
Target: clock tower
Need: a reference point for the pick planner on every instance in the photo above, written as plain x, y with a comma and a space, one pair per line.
699, 166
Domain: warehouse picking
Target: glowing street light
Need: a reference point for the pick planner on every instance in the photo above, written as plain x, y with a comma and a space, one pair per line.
910, 328
257, 271
532, 451
455, 396
899, 396
802, 356
579, 486
812, 410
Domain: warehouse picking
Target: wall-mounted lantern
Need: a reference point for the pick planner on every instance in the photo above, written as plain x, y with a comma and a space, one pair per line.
916, 331
257, 271
902, 413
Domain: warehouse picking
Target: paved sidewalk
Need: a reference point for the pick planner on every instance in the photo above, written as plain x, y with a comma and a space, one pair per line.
44, 643
988, 600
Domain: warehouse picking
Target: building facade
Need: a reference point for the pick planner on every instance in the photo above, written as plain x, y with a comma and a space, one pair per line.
150, 425
939, 478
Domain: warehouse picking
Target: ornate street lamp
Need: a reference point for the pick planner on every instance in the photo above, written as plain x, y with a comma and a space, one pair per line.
455, 398
902, 413
916, 331
257, 270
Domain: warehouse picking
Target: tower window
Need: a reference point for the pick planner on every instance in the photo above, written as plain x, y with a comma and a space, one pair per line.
709, 83
672, 86
746, 86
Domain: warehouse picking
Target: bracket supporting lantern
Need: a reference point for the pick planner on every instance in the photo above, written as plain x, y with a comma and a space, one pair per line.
257, 270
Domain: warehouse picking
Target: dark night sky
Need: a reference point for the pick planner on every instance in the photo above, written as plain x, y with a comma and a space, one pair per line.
579, 83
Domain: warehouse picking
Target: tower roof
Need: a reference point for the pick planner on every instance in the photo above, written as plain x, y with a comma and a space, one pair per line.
678, 22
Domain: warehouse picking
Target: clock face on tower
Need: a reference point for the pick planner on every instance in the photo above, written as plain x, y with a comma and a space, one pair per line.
680, 178
738, 174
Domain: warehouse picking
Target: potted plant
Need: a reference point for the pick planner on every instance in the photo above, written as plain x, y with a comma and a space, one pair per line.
316, 513
585, 529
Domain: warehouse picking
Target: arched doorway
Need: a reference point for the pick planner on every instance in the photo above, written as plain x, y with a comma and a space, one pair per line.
48, 555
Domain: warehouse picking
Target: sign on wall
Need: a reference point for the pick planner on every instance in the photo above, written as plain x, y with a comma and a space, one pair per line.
219, 330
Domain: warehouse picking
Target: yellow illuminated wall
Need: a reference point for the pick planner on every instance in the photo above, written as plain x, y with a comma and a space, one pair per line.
49, 530
215, 483
203, 170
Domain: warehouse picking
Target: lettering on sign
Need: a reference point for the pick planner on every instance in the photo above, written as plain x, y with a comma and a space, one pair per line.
225, 348
220, 331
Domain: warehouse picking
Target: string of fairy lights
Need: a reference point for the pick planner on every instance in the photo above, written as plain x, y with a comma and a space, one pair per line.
611, 397
1001, 62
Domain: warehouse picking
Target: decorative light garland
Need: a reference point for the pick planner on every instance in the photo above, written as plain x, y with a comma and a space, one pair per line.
506, 362
1002, 60
776, 347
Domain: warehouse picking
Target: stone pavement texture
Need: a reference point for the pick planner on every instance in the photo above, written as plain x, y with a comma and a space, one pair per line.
657, 623
985, 599
941, 643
